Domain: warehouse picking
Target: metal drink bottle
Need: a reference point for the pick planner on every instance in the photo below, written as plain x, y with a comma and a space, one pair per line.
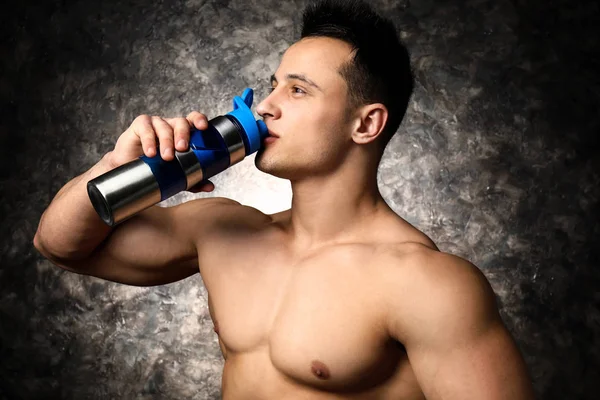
132, 187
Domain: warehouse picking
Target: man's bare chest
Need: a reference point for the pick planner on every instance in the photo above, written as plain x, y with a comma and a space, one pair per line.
321, 318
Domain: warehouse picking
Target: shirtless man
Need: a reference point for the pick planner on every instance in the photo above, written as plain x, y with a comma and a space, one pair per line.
338, 297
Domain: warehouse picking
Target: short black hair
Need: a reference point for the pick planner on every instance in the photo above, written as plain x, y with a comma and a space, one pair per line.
380, 71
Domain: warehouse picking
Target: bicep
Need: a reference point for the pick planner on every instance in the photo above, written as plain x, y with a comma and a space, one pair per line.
145, 251
155, 247
487, 366
448, 320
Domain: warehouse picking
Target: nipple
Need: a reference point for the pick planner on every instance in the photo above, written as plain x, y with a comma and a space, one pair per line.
320, 370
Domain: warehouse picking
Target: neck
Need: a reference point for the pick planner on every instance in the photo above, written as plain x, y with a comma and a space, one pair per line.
332, 208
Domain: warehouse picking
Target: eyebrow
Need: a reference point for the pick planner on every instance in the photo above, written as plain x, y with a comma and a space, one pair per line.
299, 77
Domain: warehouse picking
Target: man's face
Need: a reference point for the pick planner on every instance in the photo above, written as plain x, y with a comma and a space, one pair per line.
308, 110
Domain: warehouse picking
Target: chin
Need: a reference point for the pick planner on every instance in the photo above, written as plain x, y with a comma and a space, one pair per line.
275, 166
268, 165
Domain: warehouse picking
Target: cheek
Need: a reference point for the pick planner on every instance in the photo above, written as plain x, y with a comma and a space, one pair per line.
334, 127
326, 142
319, 127
330, 115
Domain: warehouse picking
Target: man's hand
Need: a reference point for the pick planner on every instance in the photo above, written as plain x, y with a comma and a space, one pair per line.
171, 134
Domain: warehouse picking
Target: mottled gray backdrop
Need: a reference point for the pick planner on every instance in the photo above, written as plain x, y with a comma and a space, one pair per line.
497, 161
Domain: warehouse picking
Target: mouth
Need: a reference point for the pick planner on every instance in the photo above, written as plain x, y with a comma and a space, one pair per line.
273, 134
270, 139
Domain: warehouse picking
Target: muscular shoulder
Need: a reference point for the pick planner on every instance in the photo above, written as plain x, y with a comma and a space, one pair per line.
217, 214
428, 291
427, 265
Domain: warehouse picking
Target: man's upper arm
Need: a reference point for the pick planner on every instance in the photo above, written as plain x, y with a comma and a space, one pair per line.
155, 247
444, 312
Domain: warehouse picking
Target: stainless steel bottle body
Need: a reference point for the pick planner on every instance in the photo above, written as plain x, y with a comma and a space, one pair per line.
141, 183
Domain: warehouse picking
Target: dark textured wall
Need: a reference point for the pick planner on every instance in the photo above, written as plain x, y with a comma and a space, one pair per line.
497, 161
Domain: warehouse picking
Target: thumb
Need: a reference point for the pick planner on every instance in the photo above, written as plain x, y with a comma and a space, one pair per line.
202, 186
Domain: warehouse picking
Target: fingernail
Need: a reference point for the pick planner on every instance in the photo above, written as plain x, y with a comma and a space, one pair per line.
168, 152
182, 144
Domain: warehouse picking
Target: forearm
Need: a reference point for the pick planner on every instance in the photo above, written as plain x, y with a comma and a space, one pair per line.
70, 228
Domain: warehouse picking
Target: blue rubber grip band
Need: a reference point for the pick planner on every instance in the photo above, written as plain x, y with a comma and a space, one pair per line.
169, 175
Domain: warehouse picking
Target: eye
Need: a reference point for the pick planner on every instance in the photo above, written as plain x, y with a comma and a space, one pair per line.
298, 90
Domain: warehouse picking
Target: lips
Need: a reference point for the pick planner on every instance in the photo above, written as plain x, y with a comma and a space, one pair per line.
273, 134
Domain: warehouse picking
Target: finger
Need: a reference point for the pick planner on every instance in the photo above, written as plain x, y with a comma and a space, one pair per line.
142, 128
198, 120
181, 131
181, 128
164, 132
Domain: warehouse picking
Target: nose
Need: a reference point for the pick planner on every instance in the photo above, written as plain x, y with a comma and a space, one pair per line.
268, 108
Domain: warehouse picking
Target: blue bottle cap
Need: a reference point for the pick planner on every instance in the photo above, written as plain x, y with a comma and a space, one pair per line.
255, 130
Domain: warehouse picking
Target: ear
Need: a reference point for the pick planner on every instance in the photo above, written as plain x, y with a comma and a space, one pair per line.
370, 122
